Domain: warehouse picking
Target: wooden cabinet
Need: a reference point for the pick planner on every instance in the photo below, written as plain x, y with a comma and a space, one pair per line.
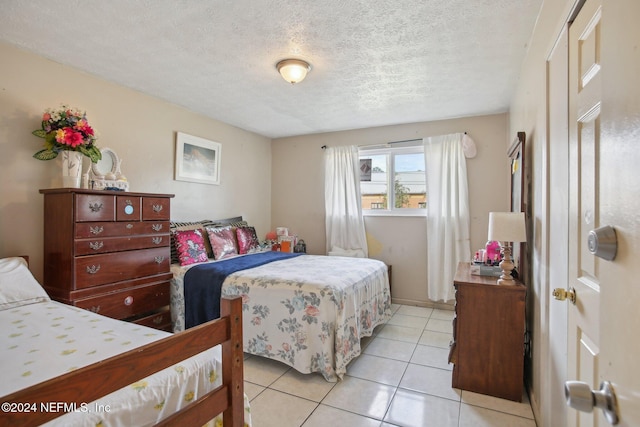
109, 252
488, 335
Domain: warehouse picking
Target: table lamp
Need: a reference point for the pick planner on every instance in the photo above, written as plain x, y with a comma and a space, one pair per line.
507, 227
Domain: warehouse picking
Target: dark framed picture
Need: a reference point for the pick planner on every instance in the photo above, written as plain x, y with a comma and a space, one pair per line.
516, 155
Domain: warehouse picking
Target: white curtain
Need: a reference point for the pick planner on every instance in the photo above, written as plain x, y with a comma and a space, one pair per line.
343, 204
448, 213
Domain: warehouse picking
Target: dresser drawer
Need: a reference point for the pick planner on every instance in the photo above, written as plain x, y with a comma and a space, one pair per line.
160, 320
155, 208
114, 229
93, 270
128, 302
128, 208
116, 244
93, 207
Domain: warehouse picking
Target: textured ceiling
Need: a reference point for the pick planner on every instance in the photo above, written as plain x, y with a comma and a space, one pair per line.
375, 62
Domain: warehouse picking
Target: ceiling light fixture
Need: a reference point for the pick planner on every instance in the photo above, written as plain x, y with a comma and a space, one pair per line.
293, 70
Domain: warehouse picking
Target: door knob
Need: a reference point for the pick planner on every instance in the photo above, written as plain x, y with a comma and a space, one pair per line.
580, 396
562, 294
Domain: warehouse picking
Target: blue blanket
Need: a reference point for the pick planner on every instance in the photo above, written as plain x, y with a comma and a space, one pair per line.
203, 284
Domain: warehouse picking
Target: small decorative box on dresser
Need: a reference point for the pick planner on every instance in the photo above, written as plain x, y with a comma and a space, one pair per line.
109, 252
488, 335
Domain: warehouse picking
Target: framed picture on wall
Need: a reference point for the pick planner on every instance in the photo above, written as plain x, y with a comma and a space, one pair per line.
516, 154
197, 159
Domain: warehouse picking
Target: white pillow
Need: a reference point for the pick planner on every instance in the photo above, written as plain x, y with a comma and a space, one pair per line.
17, 285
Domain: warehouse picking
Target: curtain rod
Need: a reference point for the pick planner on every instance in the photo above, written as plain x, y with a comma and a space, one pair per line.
324, 147
392, 142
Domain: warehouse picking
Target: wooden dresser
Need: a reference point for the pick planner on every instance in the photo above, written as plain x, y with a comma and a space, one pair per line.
488, 335
109, 252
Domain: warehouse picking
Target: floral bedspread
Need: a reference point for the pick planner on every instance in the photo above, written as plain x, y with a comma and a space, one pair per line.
309, 312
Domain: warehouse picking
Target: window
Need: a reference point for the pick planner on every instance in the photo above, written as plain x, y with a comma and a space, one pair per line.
392, 181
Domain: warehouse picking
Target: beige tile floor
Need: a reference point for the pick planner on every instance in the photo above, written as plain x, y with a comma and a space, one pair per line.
401, 379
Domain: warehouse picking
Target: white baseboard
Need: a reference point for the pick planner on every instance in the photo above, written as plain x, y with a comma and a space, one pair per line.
535, 407
428, 304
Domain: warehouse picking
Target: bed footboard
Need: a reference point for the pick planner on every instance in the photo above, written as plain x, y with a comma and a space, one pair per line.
119, 371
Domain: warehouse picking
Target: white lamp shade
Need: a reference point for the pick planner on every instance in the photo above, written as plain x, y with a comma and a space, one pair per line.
507, 227
293, 70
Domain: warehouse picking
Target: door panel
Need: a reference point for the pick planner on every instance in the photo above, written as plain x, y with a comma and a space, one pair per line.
584, 133
588, 353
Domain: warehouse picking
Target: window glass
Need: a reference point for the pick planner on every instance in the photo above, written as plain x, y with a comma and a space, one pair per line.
409, 183
392, 181
373, 181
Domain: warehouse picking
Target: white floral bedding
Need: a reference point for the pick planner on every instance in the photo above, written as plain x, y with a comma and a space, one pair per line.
42, 340
309, 312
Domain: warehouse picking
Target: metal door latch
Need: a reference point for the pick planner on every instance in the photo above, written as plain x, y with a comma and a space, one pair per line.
602, 242
562, 294
580, 396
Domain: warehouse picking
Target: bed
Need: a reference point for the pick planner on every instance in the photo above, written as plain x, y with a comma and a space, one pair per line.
65, 366
307, 311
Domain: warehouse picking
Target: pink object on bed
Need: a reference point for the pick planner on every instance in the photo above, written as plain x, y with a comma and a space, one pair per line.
190, 246
247, 239
223, 241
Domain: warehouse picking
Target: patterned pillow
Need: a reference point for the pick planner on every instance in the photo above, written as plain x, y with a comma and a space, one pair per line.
190, 246
247, 239
223, 241
192, 225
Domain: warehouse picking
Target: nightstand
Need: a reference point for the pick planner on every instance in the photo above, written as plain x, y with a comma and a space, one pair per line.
488, 335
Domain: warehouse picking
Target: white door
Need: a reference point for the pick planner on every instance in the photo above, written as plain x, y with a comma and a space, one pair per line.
604, 114
620, 205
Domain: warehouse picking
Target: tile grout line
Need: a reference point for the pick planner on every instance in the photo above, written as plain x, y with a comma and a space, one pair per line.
395, 388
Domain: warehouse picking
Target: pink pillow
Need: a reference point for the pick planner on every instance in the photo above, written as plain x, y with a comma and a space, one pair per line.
247, 239
190, 246
223, 242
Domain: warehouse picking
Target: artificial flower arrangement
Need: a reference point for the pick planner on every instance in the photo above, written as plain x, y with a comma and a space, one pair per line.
66, 129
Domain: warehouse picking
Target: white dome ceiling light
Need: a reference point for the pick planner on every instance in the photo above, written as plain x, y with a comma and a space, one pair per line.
293, 70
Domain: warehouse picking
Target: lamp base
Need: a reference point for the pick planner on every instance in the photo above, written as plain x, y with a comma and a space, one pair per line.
506, 281
507, 267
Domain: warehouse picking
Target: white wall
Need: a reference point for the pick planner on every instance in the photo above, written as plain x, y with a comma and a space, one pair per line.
529, 113
139, 128
298, 193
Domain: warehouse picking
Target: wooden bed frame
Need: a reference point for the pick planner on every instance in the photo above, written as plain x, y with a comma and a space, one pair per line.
119, 371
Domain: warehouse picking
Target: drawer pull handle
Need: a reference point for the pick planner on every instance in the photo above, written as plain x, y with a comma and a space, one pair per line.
128, 300
96, 207
157, 208
159, 259
96, 245
157, 240
156, 227
129, 226
95, 309
96, 230
158, 319
93, 269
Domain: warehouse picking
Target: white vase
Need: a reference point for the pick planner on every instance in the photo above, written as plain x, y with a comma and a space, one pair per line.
71, 168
